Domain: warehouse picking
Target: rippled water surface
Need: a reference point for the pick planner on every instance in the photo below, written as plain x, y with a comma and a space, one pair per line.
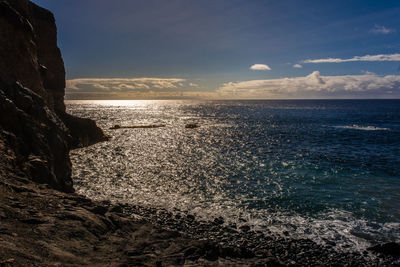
327, 170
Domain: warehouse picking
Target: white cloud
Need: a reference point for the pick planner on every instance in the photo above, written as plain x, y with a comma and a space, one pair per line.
297, 66
118, 84
260, 67
98, 86
383, 57
193, 85
381, 30
313, 85
366, 72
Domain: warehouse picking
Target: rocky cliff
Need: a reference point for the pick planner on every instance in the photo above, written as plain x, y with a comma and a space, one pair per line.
36, 133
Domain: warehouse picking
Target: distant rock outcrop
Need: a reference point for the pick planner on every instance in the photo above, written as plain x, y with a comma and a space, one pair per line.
35, 132
140, 126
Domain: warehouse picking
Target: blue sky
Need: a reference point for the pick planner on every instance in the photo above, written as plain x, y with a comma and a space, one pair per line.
206, 49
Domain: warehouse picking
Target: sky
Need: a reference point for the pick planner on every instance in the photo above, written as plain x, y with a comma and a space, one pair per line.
229, 49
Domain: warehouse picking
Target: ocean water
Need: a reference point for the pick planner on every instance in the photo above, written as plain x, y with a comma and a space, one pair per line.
327, 170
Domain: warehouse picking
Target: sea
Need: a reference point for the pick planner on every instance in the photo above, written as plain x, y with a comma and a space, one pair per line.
326, 170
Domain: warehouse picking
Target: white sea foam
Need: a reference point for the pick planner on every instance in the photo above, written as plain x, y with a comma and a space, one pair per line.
363, 128
337, 227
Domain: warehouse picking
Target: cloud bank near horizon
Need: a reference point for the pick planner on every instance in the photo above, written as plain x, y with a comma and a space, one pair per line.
370, 58
124, 84
315, 85
134, 88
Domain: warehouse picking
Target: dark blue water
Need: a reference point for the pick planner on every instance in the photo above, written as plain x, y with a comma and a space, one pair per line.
331, 154
326, 168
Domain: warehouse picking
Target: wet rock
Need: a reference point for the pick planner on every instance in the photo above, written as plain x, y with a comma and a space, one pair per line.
191, 125
117, 209
286, 233
143, 126
219, 221
34, 221
246, 253
115, 220
330, 243
231, 230
5, 231
75, 198
244, 228
135, 252
40, 171
274, 262
211, 253
99, 209
20, 189
390, 248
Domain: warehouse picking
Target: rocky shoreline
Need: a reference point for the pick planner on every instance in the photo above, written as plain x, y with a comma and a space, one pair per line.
44, 227
257, 244
41, 226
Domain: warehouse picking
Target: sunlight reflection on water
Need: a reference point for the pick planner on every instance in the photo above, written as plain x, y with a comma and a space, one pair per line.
273, 163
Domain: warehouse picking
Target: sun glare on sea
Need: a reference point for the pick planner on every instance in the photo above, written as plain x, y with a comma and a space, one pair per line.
119, 103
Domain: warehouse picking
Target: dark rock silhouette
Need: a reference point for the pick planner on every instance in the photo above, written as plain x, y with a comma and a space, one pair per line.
29, 51
143, 126
192, 126
84, 131
37, 138
33, 122
390, 248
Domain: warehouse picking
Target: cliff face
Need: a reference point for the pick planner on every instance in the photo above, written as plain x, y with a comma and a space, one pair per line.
35, 132
29, 51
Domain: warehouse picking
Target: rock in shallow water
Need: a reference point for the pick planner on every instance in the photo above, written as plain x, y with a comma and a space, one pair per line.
192, 126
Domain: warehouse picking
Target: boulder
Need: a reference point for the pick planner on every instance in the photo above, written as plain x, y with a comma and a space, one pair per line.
192, 126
